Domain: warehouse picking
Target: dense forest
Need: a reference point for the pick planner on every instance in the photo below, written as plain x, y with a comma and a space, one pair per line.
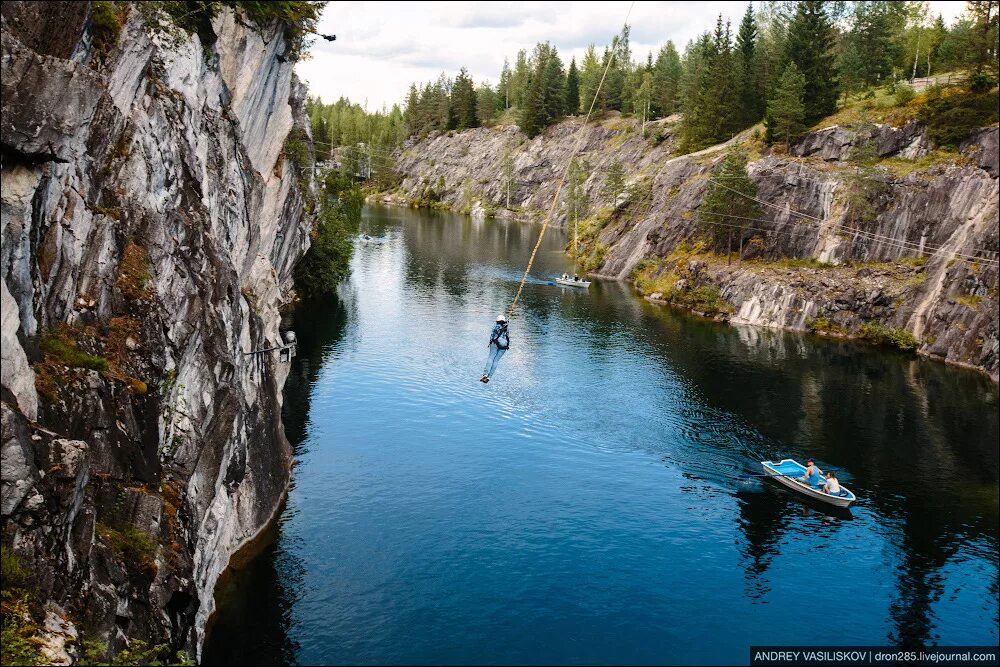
787, 63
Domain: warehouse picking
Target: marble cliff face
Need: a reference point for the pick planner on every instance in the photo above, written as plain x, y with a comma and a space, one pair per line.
880, 270
150, 227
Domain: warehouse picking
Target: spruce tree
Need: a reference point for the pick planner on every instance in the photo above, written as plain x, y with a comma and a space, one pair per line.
810, 46
590, 77
550, 68
729, 206
786, 111
572, 89
666, 81
751, 107
463, 102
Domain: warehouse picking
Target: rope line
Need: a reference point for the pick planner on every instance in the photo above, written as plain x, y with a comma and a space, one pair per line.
562, 178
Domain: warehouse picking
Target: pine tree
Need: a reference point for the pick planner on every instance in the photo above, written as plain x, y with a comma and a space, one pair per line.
614, 182
786, 111
729, 207
572, 89
810, 46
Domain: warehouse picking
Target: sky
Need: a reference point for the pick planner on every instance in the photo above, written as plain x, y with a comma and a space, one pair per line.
383, 47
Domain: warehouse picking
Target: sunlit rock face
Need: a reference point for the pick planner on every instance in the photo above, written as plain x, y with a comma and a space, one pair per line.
150, 226
939, 210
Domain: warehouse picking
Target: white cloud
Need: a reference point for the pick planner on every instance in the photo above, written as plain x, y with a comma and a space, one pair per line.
382, 47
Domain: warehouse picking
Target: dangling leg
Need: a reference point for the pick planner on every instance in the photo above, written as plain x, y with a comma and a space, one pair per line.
491, 362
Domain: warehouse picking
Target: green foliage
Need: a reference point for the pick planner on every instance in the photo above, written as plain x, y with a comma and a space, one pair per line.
107, 22
20, 643
572, 89
705, 299
888, 336
729, 206
138, 652
299, 18
60, 346
904, 95
463, 100
327, 261
823, 326
810, 46
12, 573
544, 97
614, 182
950, 118
786, 112
802, 263
297, 150
133, 545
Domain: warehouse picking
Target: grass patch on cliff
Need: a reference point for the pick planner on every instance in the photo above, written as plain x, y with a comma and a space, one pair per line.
969, 300
20, 642
133, 272
132, 545
107, 21
888, 336
60, 346
20, 639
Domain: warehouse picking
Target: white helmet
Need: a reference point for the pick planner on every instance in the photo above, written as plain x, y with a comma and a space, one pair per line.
501, 318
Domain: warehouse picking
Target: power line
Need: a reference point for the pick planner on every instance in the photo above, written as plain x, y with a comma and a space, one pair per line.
932, 249
888, 240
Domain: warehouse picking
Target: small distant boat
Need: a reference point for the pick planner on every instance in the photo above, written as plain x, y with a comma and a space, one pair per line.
364, 238
573, 281
789, 472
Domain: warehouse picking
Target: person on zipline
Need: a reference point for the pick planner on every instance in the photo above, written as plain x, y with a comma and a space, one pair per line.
499, 343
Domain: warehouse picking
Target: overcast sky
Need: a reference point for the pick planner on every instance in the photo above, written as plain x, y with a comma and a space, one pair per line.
382, 47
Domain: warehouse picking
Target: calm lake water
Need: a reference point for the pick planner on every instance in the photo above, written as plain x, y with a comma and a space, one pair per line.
583, 507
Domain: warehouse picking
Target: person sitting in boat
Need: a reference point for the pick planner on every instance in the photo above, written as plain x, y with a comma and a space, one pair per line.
576, 278
565, 276
811, 471
832, 486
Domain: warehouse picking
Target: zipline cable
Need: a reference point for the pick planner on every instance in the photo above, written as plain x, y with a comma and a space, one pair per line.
562, 179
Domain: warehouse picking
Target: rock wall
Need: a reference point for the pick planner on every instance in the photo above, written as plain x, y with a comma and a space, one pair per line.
931, 232
150, 226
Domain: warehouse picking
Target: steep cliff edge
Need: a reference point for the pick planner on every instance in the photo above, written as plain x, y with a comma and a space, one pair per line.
922, 258
150, 226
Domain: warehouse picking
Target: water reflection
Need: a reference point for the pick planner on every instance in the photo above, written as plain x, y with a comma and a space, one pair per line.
585, 507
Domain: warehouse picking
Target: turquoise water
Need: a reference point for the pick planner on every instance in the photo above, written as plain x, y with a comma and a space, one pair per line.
582, 508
